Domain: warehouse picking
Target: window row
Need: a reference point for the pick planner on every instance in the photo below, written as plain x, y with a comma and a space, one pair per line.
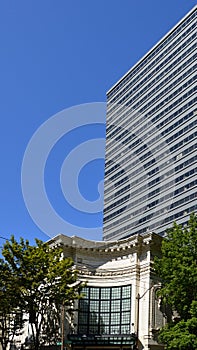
131, 114
170, 172
150, 142
159, 190
167, 99
105, 318
155, 51
161, 221
142, 168
143, 188
103, 329
149, 206
163, 82
110, 127
146, 122
146, 198
112, 106
152, 88
106, 293
154, 79
139, 180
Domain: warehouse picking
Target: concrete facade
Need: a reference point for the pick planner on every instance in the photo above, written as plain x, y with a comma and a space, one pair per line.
151, 154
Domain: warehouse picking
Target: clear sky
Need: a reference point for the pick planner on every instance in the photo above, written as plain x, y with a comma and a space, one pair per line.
55, 55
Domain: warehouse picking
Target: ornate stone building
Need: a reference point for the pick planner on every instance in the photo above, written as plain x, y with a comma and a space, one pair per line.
120, 309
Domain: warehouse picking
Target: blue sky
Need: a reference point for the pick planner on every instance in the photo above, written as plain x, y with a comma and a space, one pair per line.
55, 55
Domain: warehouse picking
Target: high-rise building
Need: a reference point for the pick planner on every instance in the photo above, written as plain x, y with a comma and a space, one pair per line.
150, 173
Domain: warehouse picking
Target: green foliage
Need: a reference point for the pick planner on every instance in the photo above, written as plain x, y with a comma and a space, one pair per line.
178, 272
10, 313
182, 335
45, 281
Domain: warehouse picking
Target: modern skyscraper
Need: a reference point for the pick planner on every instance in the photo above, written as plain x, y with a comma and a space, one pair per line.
150, 173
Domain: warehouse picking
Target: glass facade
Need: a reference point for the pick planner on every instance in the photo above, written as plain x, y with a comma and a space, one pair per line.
151, 154
105, 310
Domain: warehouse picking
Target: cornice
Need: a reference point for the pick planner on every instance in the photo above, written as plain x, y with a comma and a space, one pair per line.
107, 273
132, 244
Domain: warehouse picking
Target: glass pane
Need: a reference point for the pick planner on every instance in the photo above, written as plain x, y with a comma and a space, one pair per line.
116, 293
115, 305
126, 292
104, 329
115, 318
115, 329
93, 330
85, 292
94, 293
126, 304
125, 329
94, 305
83, 318
104, 318
83, 329
93, 318
105, 293
105, 306
125, 317
83, 305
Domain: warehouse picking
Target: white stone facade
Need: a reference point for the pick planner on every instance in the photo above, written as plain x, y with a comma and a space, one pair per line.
121, 263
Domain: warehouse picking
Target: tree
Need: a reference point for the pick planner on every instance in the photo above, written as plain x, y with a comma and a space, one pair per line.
46, 281
177, 269
183, 334
11, 320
